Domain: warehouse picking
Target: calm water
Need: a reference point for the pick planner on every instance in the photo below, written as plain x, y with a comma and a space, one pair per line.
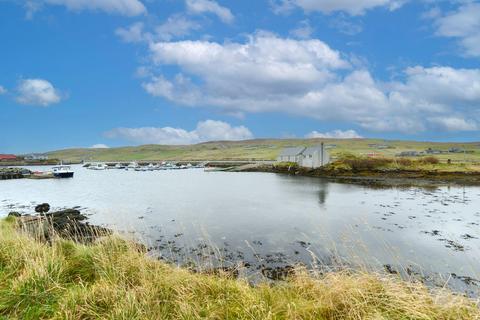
274, 220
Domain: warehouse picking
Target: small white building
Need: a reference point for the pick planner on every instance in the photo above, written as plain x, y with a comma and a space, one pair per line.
311, 157
36, 156
291, 154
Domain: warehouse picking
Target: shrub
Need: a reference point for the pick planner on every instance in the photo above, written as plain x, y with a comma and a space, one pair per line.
364, 164
430, 160
405, 162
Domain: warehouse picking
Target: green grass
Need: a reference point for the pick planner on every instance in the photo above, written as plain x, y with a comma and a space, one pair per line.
261, 149
112, 279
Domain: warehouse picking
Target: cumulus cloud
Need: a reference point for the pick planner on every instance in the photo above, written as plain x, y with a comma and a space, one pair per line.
121, 7
99, 146
210, 6
335, 134
462, 24
352, 7
2, 90
209, 130
37, 92
308, 78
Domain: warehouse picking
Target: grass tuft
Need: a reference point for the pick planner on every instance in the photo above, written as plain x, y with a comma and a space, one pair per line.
113, 279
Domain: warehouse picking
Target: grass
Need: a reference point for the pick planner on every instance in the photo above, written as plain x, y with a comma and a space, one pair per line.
113, 279
263, 149
354, 163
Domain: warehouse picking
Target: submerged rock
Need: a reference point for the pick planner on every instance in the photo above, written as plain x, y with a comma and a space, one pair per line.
68, 224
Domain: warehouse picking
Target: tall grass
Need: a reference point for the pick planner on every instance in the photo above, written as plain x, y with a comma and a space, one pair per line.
113, 279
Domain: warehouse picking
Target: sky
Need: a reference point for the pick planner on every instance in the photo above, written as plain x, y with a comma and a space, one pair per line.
108, 73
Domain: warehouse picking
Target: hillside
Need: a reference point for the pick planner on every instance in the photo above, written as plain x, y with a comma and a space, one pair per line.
262, 149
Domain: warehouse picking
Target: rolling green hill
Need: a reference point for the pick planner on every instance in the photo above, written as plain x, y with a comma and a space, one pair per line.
262, 149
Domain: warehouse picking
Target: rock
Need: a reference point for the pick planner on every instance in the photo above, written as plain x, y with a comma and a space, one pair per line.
42, 208
68, 224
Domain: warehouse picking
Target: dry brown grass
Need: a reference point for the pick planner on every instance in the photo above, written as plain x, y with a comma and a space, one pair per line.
112, 279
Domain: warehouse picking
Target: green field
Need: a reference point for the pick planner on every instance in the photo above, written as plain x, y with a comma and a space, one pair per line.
264, 149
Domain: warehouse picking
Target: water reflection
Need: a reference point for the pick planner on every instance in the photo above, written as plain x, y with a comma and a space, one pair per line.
270, 220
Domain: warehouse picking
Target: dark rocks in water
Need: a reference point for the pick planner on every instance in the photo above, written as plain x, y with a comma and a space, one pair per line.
390, 269
468, 237
278, 273
67, 224
14, 214
466, 279
42, 208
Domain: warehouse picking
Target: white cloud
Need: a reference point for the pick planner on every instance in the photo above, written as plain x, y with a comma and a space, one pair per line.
121, 7
454, 124
335, 134
303, 31
2, 90
134, 33
208, 130
352, 7
37, 92
99, 146
176, 26
463, 24
210, 6
308, 78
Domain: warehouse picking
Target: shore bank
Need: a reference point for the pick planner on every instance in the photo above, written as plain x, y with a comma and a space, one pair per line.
372, 176
113, 278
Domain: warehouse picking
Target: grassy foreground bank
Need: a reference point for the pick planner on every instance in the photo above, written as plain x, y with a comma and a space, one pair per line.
113, 279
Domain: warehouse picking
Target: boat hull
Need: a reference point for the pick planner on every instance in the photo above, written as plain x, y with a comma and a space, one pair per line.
63, 174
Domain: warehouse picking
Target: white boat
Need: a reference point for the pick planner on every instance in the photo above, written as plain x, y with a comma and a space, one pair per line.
132, 165
62, 172
119, 166
98, 166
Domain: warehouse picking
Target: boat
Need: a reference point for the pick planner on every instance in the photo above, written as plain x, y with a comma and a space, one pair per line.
41, 175
132, 165
98, 166
62, 172
119, 166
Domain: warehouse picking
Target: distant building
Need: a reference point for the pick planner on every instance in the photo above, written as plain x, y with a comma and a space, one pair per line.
456, 150
291, 154
311, 157
433, 151
35, 156
8, 157
409, 154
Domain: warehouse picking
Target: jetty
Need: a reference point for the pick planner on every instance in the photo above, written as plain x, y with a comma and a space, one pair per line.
13, 173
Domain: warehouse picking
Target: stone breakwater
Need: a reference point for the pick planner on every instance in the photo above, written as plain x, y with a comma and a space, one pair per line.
13, 173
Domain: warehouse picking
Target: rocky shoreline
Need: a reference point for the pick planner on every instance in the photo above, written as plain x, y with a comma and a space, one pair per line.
375, 177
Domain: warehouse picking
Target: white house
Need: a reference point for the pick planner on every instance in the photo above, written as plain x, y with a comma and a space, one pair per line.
291, 154
311, 157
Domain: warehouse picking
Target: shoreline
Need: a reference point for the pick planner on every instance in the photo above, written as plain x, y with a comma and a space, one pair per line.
112, 276
380, 177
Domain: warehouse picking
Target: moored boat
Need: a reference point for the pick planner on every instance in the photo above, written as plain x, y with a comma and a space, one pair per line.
62, 172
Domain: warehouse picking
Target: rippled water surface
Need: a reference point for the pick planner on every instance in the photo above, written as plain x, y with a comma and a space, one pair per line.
271, 220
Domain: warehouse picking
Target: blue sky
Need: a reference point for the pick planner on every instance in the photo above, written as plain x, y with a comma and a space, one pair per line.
84, 73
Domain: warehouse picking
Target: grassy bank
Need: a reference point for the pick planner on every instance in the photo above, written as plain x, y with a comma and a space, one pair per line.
265, 149
114, 279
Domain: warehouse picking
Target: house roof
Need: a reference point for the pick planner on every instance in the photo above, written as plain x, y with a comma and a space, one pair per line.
295, 151
312, 150
7, 156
